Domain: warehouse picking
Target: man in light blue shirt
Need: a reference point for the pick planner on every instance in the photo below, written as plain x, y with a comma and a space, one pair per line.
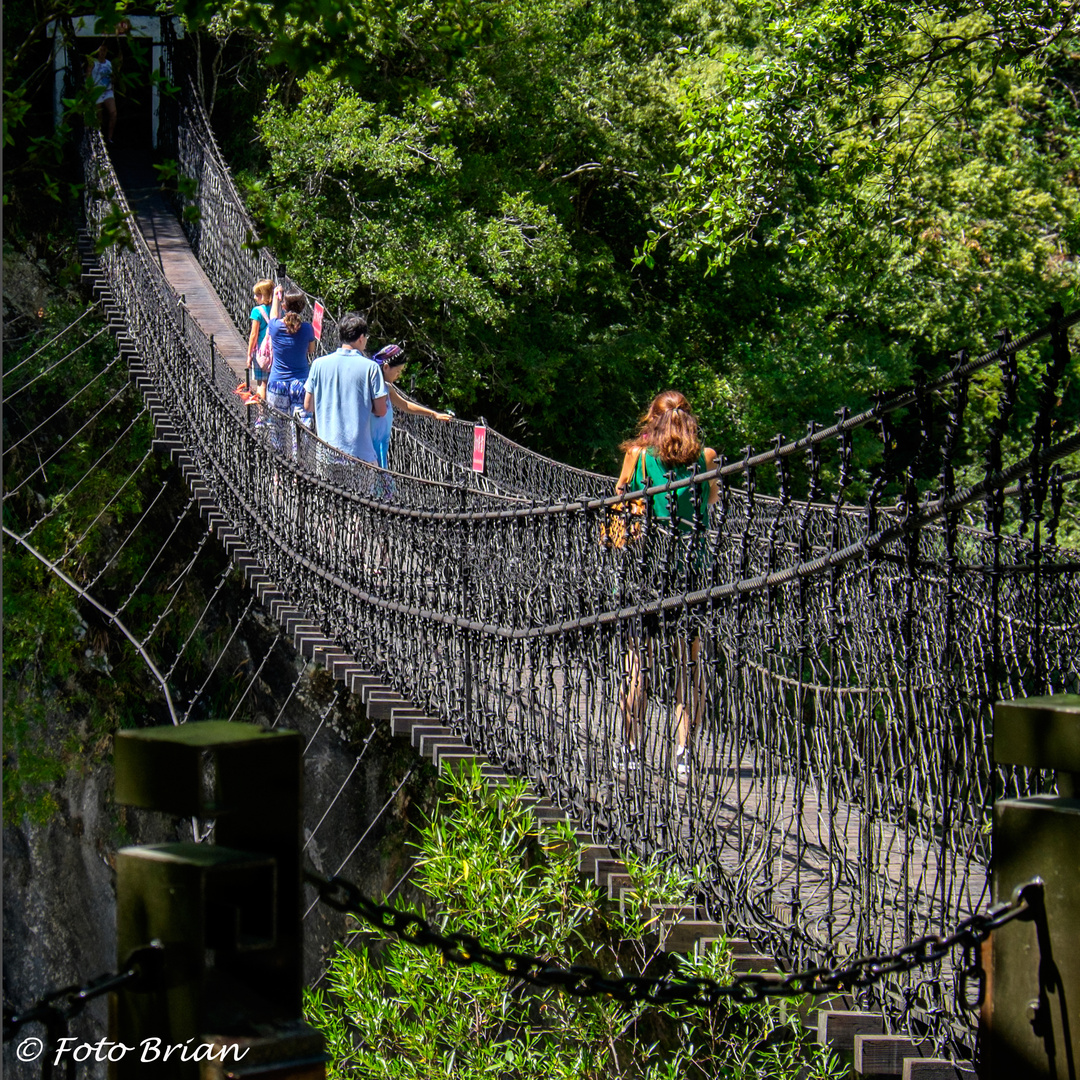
344, 390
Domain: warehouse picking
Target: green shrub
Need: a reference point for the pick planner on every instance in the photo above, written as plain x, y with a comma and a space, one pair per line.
393, 1009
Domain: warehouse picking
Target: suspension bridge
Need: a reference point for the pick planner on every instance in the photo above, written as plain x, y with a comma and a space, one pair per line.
867, 597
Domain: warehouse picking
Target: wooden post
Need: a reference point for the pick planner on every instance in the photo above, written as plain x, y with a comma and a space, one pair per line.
226, 915
1031, 1015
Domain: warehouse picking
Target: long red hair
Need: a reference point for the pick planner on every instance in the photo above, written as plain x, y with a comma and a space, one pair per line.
669, 429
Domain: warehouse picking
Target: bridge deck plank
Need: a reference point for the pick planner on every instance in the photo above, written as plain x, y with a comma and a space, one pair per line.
165, 237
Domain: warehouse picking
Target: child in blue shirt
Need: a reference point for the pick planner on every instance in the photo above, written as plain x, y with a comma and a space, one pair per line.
260, 325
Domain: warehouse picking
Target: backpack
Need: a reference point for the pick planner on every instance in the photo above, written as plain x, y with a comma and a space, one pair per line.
264, 354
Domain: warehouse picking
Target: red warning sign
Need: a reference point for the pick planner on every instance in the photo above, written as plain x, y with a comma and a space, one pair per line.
479, 444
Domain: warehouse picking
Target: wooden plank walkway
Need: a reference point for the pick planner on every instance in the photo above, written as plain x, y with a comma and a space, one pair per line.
165, 236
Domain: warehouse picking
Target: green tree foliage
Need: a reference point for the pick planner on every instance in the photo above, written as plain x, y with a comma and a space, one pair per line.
85, 490
859, 89
483, 205
909, 172
872, 187
396, 1010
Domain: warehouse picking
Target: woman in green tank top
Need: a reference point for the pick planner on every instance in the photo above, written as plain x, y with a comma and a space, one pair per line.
667, 448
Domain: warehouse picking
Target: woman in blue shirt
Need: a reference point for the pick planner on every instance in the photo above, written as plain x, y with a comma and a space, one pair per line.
293, 341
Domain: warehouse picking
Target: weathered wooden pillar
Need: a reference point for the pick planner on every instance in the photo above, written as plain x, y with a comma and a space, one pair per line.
1031, 1015
227, 915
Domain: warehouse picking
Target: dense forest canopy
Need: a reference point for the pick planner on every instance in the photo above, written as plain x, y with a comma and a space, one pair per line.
566, 205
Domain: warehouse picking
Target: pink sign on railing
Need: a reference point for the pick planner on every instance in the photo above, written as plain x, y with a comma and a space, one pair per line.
479, 443
316, 320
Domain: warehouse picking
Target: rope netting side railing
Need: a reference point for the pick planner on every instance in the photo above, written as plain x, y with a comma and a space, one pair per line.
508, 468
826, 674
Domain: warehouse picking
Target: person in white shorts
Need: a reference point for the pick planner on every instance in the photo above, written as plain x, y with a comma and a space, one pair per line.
101, 75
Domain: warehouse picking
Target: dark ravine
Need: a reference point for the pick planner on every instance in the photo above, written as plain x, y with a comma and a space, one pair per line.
59, 903
59, 881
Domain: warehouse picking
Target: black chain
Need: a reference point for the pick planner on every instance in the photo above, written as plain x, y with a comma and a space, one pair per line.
579, 981
144, 967
145, 964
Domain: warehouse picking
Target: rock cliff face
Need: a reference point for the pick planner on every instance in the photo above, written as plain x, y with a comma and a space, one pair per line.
59, 905
59, 880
